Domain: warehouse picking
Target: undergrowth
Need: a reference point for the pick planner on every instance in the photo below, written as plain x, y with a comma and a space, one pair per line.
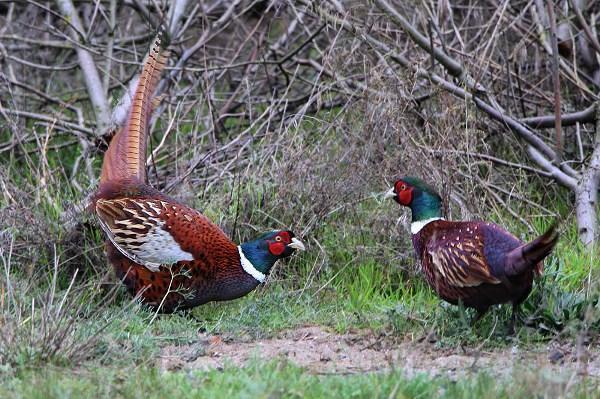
61, 307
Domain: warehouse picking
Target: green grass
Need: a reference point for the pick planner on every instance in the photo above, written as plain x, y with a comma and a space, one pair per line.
358, 273
362, 294
351, 290
279, 379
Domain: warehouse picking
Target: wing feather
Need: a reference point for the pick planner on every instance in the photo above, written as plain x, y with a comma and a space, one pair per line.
136, 229
459, 263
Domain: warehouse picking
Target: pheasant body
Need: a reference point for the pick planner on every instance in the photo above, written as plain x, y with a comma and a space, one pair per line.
465, 262
185, 284
475, 263
166, 253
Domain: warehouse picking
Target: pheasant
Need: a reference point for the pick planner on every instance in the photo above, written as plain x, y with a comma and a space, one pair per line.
166, 253
476, 263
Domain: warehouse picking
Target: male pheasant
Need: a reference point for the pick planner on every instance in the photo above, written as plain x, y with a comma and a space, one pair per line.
168, 254
477, 263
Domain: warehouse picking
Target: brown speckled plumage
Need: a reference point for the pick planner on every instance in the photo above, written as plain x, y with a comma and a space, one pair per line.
466, 261
476, 263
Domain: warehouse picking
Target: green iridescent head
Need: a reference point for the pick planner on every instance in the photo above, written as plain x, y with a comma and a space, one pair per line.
422, 199
265, 250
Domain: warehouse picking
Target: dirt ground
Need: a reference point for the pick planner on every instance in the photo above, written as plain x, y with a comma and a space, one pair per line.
323, 352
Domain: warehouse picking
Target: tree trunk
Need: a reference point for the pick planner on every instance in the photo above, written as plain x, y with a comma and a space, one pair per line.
586, 194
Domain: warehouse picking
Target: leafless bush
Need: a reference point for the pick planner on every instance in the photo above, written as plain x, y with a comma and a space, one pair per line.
505, 69
298, 113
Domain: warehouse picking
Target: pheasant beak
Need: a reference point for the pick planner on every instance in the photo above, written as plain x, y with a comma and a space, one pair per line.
296, 244
389, 194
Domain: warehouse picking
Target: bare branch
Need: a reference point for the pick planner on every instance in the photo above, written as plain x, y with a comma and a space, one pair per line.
555, 76
556, 173
50, 120
453, 67
587, 115
88, 67
176, 12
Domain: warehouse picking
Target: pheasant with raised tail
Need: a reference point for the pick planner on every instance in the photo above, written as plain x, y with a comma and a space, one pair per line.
166, 253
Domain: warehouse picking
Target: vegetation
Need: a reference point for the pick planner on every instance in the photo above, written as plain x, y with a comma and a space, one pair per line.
279, 379
289, 144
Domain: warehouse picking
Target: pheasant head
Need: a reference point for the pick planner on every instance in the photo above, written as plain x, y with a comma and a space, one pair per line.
259, 255
422, 199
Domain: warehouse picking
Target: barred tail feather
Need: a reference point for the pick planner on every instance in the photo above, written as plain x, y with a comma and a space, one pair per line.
126, 154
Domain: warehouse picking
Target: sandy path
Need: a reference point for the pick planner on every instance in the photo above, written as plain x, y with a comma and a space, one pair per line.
321, 351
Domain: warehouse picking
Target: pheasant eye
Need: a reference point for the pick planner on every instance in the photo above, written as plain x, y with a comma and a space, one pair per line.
278, 238
403, 187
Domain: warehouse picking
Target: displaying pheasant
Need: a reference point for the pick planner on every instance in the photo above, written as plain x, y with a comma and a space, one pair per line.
165, 252
476, 263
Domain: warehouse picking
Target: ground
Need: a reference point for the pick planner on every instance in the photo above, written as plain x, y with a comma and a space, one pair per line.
349, 318
320, 351
343, 334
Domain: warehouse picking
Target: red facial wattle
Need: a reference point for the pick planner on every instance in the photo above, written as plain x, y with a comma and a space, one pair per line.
276, 248
404, 193
405, 197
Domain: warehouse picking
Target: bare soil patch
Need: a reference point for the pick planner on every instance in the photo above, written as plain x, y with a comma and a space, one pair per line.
324, 352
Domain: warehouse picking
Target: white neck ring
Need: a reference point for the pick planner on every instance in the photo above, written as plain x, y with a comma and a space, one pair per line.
415, 227
249, 267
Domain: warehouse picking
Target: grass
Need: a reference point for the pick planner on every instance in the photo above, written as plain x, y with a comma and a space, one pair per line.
69, 330
280, 379
363, 294
351, 290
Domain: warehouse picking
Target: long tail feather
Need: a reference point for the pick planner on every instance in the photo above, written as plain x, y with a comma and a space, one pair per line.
126, 154
530, 255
